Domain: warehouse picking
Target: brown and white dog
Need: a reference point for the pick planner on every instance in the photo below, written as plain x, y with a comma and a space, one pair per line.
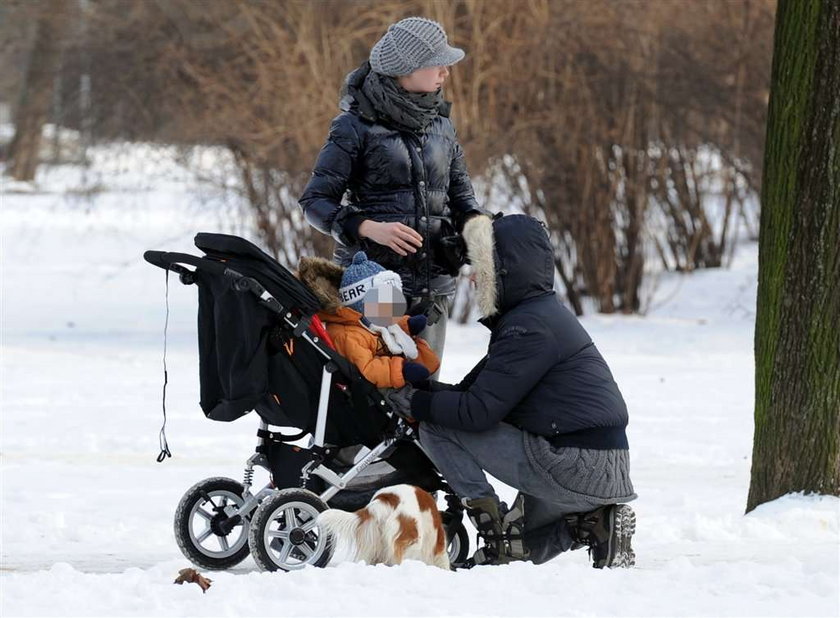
400, 522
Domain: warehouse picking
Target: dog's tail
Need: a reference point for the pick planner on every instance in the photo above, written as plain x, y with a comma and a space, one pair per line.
350, 530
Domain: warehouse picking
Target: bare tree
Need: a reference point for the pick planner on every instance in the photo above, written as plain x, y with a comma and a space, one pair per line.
36, 93
634, 129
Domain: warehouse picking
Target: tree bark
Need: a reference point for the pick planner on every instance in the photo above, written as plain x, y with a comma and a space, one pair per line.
36, 96
797, 336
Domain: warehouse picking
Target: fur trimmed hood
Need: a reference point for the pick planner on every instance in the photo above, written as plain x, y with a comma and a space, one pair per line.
512, 258
323, 277
481, 250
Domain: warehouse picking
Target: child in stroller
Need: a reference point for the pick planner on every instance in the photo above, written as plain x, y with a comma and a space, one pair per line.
363, 309
263, 348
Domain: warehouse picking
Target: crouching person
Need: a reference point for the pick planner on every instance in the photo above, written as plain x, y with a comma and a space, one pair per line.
540, 412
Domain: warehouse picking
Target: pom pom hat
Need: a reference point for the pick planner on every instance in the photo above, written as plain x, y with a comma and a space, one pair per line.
361, 277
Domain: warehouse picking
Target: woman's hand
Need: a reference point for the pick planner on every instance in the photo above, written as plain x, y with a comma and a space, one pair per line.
400, 238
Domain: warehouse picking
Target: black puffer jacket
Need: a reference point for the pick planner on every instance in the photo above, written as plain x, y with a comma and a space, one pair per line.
419, 179
542, 372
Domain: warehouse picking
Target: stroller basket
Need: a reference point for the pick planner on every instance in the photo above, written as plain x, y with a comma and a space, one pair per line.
262, 348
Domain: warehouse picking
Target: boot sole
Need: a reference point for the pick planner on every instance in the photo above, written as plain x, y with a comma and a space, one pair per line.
624, 525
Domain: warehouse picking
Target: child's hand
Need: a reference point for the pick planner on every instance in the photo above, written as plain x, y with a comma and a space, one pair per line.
416, 324
414, 372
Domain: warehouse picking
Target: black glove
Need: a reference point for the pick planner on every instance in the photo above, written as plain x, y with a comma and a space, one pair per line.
451, 253
414, 372
416, 324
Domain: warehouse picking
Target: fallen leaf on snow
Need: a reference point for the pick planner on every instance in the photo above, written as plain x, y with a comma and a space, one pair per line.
191, 575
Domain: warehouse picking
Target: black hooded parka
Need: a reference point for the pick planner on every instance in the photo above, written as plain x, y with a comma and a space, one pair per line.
542, 372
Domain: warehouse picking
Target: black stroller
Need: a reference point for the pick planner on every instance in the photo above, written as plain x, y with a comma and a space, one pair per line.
262, 348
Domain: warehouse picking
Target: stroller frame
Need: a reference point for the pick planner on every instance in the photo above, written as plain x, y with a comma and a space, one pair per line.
262, 507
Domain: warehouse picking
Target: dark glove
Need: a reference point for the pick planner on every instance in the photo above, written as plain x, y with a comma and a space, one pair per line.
400, 400
414, 372
416, 324
451, 253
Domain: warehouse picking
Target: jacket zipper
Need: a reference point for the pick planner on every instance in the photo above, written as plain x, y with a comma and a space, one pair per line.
415, 149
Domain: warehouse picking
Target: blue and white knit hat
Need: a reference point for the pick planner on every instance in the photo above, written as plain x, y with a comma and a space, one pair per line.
410, 44
361, 277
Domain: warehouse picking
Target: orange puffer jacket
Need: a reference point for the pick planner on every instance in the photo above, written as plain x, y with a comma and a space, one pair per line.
369, 353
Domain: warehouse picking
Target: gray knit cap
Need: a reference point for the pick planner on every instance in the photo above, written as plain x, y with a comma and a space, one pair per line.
410, 44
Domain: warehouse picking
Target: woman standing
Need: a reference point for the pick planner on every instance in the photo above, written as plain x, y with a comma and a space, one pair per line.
394, 152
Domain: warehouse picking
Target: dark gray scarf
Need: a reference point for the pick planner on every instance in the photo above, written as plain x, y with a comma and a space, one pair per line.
392, 104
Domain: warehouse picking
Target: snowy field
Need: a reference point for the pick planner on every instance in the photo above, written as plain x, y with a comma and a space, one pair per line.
87, 512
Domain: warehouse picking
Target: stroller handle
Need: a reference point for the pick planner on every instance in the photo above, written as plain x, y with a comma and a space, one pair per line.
174, 261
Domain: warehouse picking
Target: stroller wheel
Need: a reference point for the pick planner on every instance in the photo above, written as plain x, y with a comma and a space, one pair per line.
208, 526
283, 535
457, 540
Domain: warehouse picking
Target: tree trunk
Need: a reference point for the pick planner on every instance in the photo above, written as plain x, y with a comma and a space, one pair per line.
36, 96
797, 335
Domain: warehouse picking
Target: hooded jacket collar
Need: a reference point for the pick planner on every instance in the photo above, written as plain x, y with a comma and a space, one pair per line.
525, 259
517, 264
323, 277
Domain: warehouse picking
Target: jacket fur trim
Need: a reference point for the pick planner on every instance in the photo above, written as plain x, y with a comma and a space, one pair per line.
323, 277
478, 236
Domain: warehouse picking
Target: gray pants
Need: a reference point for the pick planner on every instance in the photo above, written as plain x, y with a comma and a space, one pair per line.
435, 334
462, 457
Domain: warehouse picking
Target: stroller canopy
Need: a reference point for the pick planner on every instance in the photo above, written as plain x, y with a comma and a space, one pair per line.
248, 259
252, 355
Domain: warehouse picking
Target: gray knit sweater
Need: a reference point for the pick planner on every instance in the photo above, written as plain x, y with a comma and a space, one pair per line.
602, 476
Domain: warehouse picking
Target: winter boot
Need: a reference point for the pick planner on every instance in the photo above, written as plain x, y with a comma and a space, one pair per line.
607, 531
513, 525
485, 516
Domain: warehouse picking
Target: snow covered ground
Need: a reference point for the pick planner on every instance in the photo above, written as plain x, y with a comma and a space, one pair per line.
87, 512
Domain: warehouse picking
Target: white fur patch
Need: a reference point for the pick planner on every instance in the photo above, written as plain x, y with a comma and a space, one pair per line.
478, 235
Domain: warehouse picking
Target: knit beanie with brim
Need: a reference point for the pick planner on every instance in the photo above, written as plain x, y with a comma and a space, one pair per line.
410, 44
360, 277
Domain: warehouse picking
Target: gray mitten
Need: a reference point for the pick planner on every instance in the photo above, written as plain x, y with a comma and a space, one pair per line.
400, 400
